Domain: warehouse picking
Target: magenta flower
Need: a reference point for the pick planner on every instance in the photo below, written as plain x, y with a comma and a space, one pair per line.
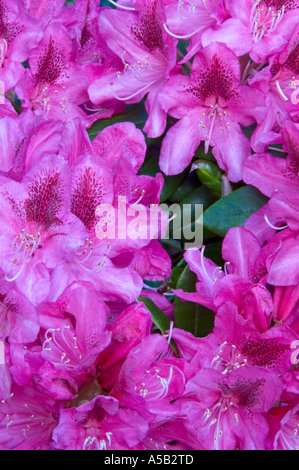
130, 327
27, 420
210, 106
169, 435
43, 11
35, 227
278, 83
228, 412
151, 382
19, 320
73, 340
54, 83
188, 20
284, 428
235, 342
19, 34
259, 27
243, 280
148, 57
99, 425
275, 175
25, 140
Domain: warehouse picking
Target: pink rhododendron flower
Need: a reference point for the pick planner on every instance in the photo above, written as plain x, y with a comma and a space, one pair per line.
210, 106
228, 412
284, 428
19, 34
53, 83
148, 54
27, 420
111, 336
260, 27
151, 382
99, 425
35, 223
278, 83
188, 20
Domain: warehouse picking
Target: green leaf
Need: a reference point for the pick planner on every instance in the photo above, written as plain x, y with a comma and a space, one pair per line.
233, 210
159, 318
171, 184
176, 273
213, 251
190, 316
200, 154
200, 195
105, 3
210, 175
189, 184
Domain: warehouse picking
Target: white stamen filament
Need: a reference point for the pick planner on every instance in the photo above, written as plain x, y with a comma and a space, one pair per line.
184, 36
273, 226
280, 91
125, 98
122, 7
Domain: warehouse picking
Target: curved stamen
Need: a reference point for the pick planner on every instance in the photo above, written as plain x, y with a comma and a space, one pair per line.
273, 226
131, 96
186, 36
203, 264
94, 110
122, 7
140, 198
225, 267
11, 279
170, 332
280, 91
3, 51
207, 141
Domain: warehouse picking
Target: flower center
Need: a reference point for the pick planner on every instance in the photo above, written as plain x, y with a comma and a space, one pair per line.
265, 17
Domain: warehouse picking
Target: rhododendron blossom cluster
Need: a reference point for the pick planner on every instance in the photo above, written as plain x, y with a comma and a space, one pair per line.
136, 343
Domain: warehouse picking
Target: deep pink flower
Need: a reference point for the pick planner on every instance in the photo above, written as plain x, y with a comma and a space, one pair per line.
150, 379
236, 342
74, 330
148, 54
285, 300
27, 420
169, 435
188, 20
273, 175
35, 227
228, 412
260, 27
53, 83
43, 10
284, 428
131, 326
210, 106
278, 84
19, 34
99, 425
19, 320
25, 140
243, 280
